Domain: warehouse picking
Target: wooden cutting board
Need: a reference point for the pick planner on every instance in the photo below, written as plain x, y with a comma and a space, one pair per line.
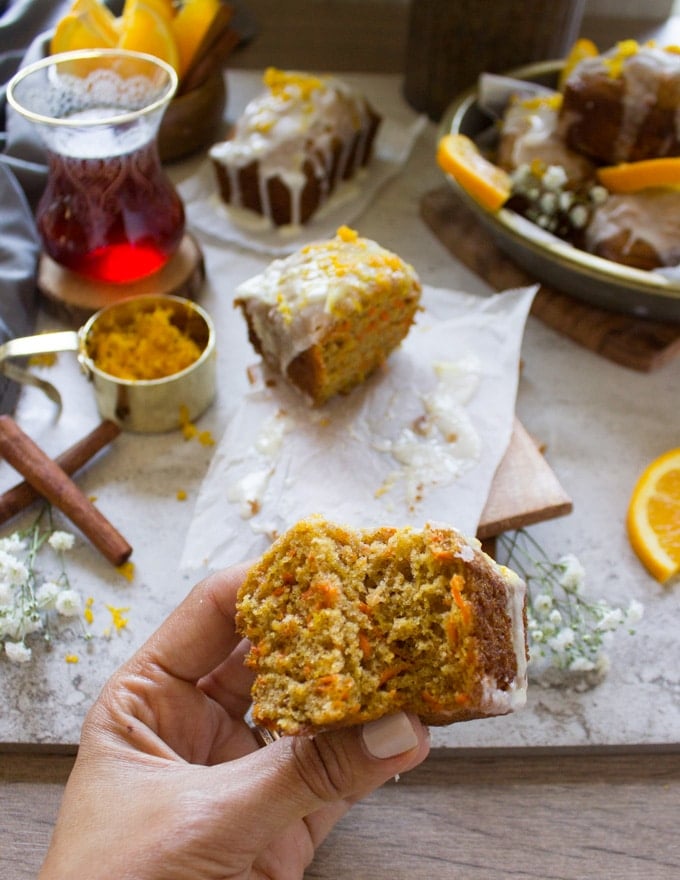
637, 343
525, 489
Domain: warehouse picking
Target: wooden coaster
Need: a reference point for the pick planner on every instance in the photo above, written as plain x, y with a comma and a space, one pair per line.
638, 343
74, 298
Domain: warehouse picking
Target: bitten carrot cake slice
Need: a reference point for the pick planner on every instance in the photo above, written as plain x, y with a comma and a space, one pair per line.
349, 625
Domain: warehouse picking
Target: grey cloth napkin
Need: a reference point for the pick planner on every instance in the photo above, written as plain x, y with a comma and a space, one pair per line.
19, 251
22, 179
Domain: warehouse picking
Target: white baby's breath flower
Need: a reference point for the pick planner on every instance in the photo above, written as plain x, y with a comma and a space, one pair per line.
13, 543
18, 652
12, 569
564, 639
6, 593
29, 623
611, 619
573, 575
27, 599
566, 630
554, 177
69, 603
62, 542
46, 595
543, 603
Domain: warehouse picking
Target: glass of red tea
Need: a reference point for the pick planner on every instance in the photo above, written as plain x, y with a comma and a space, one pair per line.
109, 211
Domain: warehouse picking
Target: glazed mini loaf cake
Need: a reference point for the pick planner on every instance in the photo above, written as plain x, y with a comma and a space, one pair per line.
292, 146
327, 315
622, 106
639, 229
346, 626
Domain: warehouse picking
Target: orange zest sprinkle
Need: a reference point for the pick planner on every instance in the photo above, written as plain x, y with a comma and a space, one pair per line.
127, 569
117, 617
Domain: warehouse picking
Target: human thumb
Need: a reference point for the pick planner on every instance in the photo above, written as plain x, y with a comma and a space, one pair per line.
324, 775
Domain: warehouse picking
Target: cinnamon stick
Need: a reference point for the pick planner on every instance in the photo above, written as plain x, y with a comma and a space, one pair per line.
19, 497
58, 488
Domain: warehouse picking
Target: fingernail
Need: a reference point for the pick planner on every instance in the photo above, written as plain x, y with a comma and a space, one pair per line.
389, 736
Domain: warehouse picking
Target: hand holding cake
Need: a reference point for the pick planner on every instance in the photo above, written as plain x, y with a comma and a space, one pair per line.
169, 768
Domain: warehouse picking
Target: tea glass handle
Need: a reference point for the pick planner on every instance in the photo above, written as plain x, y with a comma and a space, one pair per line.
42, 343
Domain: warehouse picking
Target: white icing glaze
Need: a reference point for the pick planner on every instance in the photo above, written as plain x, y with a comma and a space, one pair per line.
529, 132
297, 121
294, 301
494, 699
249, 491
651, 216
642, 73
443, 443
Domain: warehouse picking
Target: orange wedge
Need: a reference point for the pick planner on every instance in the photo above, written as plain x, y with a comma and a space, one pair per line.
98, 17
581, 49
74, 31
653, 519
145, 28
190, 25
485, 182
631, 177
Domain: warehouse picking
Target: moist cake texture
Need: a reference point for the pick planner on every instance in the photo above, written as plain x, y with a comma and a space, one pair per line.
329, 314
349, 625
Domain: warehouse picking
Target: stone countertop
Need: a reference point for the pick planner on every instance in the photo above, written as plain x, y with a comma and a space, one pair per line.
600, 424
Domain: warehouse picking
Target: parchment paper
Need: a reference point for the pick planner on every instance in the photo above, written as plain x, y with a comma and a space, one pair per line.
280, 459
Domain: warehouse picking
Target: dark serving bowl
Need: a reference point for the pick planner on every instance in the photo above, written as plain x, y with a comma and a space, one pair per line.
558, 264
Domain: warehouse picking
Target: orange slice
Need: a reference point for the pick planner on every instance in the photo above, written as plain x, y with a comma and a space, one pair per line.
190, 25
631, 177
145, 28
653, 519
98, 17
74, 31
485, 182
581, 49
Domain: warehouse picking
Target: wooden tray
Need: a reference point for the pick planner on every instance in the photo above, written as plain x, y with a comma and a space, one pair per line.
637, 343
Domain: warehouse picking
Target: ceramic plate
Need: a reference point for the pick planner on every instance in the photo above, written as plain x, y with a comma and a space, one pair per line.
592, 279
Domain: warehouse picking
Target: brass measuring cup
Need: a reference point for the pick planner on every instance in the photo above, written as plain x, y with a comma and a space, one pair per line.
139, 405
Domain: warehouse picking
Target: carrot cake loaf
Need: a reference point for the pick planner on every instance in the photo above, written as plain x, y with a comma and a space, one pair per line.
349, 625
293, 144
327, 315
622, 106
